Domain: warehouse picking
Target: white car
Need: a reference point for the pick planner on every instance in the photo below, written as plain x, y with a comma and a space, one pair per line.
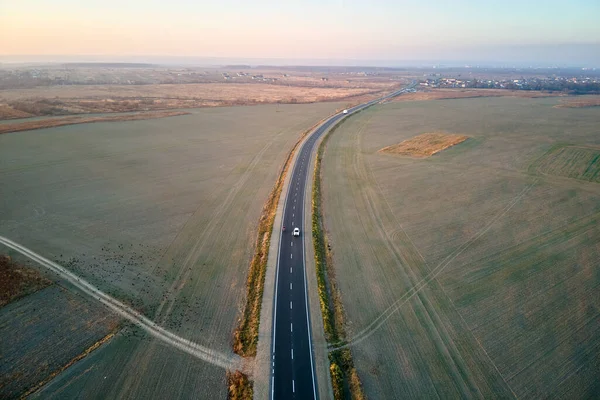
345, 112
296, 232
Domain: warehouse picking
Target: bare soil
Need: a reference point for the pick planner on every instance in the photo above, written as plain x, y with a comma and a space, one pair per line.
17, 280
425, 145
54, 122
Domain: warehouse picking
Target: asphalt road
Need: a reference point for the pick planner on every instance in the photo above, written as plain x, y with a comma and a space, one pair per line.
292, 373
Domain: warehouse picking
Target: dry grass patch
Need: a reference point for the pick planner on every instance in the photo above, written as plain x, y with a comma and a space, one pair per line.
239, 386
245, 337
17, 280
425, 145
54, 122
580, 103
344, 378
8, 112
66, 100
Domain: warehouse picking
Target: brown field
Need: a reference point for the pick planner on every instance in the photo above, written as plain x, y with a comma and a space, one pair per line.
81, 99
7, 112
580, 103
17, 280
425, 145
440, 94
54, 122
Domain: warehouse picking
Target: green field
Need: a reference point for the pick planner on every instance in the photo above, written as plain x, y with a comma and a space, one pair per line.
161, 214
475, 272
571, 162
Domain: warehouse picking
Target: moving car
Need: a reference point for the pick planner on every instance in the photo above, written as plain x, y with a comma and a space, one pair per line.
296, 232
345, 112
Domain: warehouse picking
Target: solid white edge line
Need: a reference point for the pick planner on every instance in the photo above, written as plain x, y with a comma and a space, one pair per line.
309, 140
274, 326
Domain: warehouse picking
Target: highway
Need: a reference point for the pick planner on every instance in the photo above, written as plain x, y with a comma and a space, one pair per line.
292, 372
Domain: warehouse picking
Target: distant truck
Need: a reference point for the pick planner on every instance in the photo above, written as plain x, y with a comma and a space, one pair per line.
345, 112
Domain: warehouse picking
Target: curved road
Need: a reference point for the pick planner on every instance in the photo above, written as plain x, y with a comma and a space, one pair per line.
292, 373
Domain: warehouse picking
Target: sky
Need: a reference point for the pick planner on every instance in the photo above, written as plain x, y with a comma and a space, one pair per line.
485, 31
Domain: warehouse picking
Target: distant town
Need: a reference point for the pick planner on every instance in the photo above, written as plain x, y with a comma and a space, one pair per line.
572, 85
566, 80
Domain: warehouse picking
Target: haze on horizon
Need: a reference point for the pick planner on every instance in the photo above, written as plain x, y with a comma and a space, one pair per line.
387, 31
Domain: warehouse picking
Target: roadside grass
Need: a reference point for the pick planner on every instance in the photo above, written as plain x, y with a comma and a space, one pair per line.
239, 386
344, 378
245, 338
246, 334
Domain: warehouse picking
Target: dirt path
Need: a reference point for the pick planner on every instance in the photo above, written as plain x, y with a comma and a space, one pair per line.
226, 361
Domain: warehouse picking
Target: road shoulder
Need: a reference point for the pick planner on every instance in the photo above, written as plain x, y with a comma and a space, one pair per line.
263, 362
320, 354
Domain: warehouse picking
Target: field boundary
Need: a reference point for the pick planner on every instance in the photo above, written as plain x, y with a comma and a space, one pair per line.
344, 378
74, 120
77, 358
226, 361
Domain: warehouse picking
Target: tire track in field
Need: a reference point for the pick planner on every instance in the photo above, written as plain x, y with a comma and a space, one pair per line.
207, 232
184, 271
400, 234
383, 317
135, 317
215, 221
407, 261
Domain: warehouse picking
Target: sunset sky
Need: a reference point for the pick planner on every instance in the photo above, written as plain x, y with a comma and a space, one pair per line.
337, 29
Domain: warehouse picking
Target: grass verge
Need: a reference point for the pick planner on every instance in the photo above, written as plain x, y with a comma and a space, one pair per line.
245, 338
239, 387
344, 378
